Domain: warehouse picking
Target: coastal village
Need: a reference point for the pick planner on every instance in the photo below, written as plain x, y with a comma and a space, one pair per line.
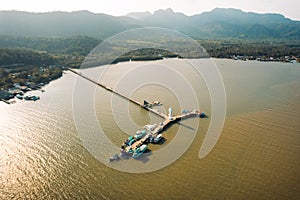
16, 80
288, 59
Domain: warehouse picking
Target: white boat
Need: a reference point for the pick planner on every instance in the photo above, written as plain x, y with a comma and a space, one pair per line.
19, 96
139, 151
140, 134
156, 139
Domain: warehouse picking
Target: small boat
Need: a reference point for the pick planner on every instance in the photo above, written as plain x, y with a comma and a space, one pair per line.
33, 98
130, 151
156, 139
129, 141
27, 97
123, 153
202, 115
19, 96
139, 151
140, 134
114, 158
157, 103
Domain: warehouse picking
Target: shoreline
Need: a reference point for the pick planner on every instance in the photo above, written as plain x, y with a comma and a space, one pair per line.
178, 57
38, 86
17, 80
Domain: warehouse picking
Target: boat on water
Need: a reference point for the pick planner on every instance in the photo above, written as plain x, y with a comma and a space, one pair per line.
19, 96
135, 146
139, 134
156, 139
129, 141
32, 98
130, 151
114, 158
139, 151
202, 115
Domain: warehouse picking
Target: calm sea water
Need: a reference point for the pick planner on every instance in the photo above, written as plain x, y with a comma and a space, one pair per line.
257, 156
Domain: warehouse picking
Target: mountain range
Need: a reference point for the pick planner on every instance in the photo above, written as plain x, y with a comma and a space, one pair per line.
219, 23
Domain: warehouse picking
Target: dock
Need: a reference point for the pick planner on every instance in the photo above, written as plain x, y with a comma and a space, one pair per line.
159, 128
155, 129
147, 106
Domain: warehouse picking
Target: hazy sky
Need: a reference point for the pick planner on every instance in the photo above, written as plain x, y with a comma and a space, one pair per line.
289, 8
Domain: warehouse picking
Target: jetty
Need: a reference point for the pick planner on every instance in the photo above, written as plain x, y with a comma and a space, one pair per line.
145, 105
151, 132
154, 130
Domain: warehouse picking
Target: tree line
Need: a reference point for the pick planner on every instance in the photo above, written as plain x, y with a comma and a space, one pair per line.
71, 51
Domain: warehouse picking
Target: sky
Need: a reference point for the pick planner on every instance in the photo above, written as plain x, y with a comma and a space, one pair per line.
289, 8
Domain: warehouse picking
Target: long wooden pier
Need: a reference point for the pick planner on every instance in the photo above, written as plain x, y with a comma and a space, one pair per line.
119, 94
168, 119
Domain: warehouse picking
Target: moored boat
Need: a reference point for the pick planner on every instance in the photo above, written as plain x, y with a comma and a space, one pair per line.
19, 96
139, 151
33, 98
156, 139
202, 115
140, 134
114, 158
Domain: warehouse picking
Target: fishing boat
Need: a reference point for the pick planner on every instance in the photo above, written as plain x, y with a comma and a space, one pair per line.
129, 141
139, 151
202, 115
32, 98
156, 139
140, 134
19, 96
114, 158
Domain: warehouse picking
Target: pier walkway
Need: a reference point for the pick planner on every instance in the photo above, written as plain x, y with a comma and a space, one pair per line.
157, 128
146, 107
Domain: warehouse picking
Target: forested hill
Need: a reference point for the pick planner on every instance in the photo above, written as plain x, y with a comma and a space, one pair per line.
217, 24
60, 24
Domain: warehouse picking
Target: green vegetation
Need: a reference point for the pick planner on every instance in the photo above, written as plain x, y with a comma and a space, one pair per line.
145, 54
20, 66
24, 74
69, 51
36, 55
219, 23
24, 56
39, 60
75, 45
254, 49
